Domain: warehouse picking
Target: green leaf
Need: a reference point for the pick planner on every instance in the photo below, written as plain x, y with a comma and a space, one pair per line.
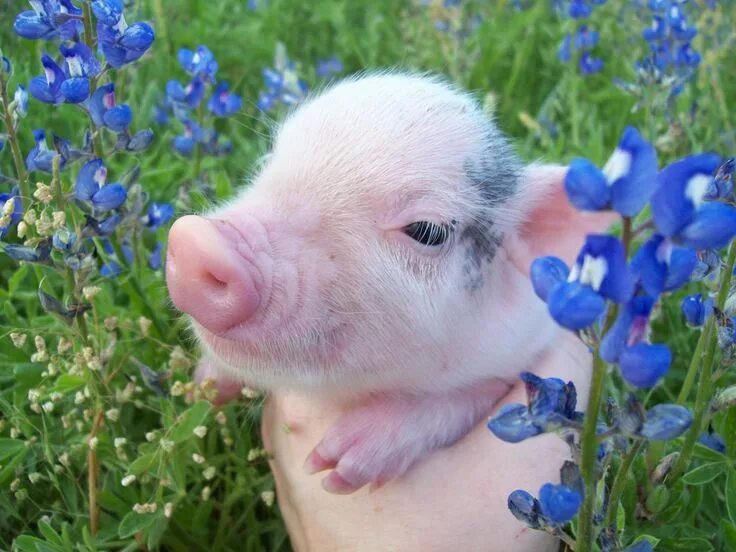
704, 474
728, 531
731, 494
687, 544
66, 383
143, 463
16, 280
654, 541
10, 447
191, 418
48, 532
132, 523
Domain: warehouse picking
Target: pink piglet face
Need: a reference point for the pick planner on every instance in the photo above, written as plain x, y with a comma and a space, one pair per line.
370, 253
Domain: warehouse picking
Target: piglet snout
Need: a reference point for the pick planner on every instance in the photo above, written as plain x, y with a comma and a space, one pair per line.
207, 276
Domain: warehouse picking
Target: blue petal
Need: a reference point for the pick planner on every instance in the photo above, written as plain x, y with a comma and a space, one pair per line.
586, 186
547, 272
614, 342
87, 185
631, 192
524, 507
682, 263
109, 197
175, 91
96, 103
39, 89
118, 118
513, 424
108, 12
183, 145
139, 36
666, 421
575, 306
713, 441
156, 258
714, 227
672, 210
110, 270
648, 268
107, 226
697, 310
140, 140
29, 24
75, 90
618, 283
559, 503
642, 365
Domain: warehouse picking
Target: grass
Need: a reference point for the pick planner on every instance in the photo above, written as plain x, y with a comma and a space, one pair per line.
510, 62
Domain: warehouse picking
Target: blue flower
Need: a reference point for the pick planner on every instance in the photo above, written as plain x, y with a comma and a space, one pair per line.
722, 185
679, 208
550, 404
104, 111
590, 65
91, 187
330, 66
40, 158
15, 215
64, 240
525, 508
713, 441
81, 64
626, 183
120, 43
156, 258
49, 20
223, 102
159, 214
662, 266
546, 273
666, 421
564, 52
643, 365
579, 9
199, 63
283, 84
631, 327
190, 95
47, 88
696, 309
559, 503
585, 38
21, 101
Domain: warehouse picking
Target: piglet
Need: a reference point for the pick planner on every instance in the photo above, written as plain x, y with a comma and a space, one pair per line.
379, 257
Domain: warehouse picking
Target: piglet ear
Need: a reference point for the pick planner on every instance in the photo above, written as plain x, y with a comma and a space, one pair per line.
549, 224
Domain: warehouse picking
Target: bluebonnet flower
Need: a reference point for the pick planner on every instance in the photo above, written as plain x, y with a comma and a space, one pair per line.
224, 103
91, 187
626, 183
525, 508
47, 88
105, 112
713, 441
81, 65
679, 208
696, 309
191, 94
21, 101
550, 404
120, 43
40, 158
599, 273
283, 84
722, 184
12, 218
584, 39
666, 421
200, 63
642, 364
329, 66
662, 266
156, 258
22, 253
48, 20
64, 240
158, 215
112, 268
559, 503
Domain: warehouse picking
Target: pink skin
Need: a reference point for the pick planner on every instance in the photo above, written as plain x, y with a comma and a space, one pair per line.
308, 283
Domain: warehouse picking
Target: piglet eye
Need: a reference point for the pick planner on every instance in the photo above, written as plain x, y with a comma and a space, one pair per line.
428, 233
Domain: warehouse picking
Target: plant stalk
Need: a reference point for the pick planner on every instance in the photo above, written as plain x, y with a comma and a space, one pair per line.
619, 482
18, 161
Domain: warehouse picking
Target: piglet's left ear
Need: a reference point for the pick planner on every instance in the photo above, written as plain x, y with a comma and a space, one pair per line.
549, 224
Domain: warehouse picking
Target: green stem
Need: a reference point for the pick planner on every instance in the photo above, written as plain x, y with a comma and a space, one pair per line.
20, 168
619, 482
692, 370
589, 444
197, 166
161, 28
703, 395
89, 40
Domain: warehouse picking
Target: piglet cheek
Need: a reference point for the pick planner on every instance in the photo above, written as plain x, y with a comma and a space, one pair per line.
208, 276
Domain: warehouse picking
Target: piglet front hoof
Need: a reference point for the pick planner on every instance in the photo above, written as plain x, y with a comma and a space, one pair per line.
382, 439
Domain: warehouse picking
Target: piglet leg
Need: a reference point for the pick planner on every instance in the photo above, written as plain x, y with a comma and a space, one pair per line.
384, 437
